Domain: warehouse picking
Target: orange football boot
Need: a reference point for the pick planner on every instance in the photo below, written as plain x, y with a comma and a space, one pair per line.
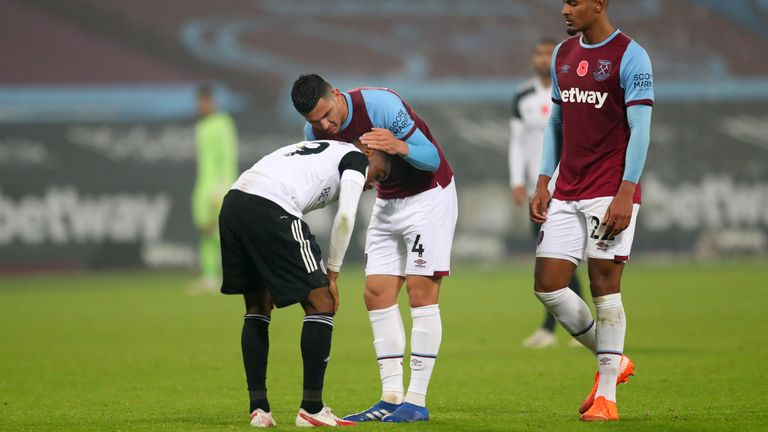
601, 410
626, 370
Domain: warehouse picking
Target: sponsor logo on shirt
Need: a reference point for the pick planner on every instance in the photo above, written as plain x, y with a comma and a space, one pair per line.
576, 95
643, 81
565, 69
401, 122
603, 70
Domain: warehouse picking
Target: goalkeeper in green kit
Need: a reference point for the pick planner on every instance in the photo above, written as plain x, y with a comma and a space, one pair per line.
216, 142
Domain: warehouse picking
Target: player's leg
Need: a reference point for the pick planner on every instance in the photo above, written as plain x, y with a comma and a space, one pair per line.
385, 271
239, 261
428, 235
605, 283
607, 256
254, 343
544, 336
560, 248
426, 334
388, 341
316, 333
388, 334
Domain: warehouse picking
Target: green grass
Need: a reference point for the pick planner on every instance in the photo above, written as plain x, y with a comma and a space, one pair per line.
134, 351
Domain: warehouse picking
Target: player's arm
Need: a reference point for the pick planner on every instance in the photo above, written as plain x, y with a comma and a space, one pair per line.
550, 153
637, 81
353, 168
516, 158
396, 132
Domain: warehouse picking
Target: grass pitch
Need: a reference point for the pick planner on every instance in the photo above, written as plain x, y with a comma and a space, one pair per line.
134, 351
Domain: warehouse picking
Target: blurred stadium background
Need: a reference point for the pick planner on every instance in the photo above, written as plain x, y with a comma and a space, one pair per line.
97, 107
97, 161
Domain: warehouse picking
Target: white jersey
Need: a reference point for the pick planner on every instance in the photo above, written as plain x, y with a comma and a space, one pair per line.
531, 108
302, 177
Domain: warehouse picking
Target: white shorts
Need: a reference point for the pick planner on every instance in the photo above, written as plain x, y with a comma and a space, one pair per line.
574, 226
412, 235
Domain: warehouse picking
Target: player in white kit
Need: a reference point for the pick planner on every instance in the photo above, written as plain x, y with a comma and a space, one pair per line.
530, 113
270, 257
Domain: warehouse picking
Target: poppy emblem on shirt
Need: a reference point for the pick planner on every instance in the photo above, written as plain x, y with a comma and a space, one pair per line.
603, 70
583, 68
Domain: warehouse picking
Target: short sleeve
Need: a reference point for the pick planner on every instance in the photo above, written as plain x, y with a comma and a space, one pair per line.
637, 76
386, 110
556, 98
354, 160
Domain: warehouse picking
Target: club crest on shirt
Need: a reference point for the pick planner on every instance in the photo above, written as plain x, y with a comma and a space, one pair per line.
603, 70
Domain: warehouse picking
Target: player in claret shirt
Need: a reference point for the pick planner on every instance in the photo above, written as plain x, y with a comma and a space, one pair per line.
599, 131
409, 237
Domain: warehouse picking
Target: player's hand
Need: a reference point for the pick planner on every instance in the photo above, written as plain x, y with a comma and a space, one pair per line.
333, 289
619, 213
519, 195
540, 201
384, 140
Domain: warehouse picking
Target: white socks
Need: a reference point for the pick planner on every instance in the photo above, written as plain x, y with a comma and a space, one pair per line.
389, 343
610, 329
425, 342
572, 313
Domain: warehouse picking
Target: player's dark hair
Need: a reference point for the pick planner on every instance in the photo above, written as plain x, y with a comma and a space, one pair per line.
307, 91
205, 90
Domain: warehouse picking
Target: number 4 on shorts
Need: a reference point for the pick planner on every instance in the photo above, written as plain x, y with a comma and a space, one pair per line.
418, 247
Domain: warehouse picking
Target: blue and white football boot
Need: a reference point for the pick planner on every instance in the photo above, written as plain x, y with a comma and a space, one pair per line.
407, 412
374, 413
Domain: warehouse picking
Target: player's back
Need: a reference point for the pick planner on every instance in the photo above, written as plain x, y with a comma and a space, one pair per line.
300, 177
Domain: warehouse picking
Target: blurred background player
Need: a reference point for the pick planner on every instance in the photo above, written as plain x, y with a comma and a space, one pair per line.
530, 112
409, 237
271, 257
216, 143
599, 133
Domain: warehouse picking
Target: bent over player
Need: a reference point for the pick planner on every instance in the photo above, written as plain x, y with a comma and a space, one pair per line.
410, 234
270, 256
599, 131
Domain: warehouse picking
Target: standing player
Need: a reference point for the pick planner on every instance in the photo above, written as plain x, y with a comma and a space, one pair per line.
216, 141
270, 256
410, 235
599, 132
530, 113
